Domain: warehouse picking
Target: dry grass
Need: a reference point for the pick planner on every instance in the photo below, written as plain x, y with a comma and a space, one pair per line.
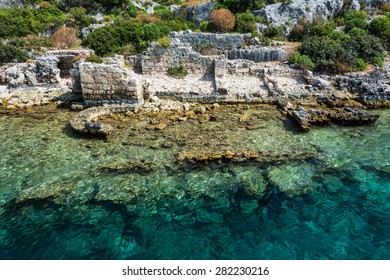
194, 2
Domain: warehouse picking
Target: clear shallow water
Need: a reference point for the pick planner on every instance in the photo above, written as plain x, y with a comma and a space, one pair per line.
57, 200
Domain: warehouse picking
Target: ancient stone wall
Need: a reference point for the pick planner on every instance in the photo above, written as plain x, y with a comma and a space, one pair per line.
109, 81
259, 54
223, 42
159, 59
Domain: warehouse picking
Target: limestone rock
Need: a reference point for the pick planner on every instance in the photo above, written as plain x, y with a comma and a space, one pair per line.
200, 12
15, 75
290, 14
161, 126
373, 88
47, 69
86, 30
259, 54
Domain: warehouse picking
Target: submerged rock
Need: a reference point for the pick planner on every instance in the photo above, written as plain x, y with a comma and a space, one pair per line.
346, 116
240, 156
129, 166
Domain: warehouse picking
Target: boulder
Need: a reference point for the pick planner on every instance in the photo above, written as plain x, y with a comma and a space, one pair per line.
200, 12
290, 14
15, 75
47, 69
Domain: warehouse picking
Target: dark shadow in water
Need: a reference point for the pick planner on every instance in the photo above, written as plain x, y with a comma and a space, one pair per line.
68, 131
289, 125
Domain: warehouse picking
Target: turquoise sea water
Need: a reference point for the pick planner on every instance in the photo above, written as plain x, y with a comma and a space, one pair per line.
66, 197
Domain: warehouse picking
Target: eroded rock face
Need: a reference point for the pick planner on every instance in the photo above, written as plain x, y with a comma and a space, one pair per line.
259, 54
346, 116
200, 12
373, 88
47, 69
10, 3
290, 14
198, 40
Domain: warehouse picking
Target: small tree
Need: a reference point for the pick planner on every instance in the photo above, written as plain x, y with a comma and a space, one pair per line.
65, 38
222, 20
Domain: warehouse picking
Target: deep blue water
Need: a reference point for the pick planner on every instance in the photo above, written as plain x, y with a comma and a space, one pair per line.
56, 202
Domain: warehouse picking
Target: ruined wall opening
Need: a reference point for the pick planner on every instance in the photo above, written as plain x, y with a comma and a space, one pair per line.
64, 64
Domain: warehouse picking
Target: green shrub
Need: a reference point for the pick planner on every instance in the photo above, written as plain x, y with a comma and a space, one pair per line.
350, 14
94, 59
356, 23
357, 32
241, 6
179, 71
361, 65
323, 51
25, 21
378, 61
164, 41
305, 29
303, 61
163, 12
152, 32
339, 35
366, 47
380, 27
204, 26
245, 22
10, 53
320, 28
272, 32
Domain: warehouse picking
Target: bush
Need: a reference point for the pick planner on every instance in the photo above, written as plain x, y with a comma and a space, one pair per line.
11, 54
163, 12
241, 6
179, 72
339, 35
366, 47
305, 29
356, 23
65, 38
36, 42
323, 51
349, 15
303, 61
297, 34
26, 21
378, 61
361, 65
357, 32
222, 20
204, 26
94, 59
272, 32
380, 27
164, 41
152, 32
245, 22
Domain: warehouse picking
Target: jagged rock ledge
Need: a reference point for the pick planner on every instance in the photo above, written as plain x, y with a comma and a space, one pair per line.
82, 122
346, 116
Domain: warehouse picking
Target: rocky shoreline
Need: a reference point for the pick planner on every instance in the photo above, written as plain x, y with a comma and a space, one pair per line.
243, 72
